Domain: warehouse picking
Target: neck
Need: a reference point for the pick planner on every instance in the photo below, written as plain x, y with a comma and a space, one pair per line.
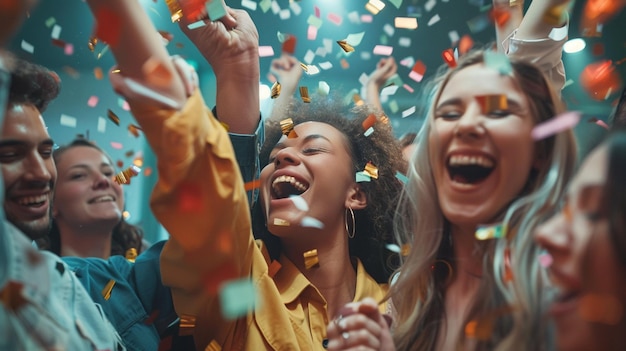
335, 275
468, 261
83, 242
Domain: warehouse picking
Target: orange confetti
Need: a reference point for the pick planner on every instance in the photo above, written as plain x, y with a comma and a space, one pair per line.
289, 45
369, 122
344, 63
193, 10
108, 26
465, 44
500, 16
97, 72
120, 163
251, 185
600, 80
448, 58
147, 172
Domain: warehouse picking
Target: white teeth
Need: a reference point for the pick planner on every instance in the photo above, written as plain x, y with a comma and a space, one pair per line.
32, 200
288, 179
104, 198
464, 160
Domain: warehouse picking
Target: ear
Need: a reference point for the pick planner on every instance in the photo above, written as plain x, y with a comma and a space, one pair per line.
357, 200
54, 213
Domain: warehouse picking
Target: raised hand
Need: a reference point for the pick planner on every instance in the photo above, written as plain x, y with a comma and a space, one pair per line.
385, 69
288, 71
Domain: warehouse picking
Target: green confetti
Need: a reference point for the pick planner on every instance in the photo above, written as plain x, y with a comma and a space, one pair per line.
238, 298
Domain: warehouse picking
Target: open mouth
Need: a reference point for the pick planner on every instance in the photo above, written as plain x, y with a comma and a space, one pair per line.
469, 169
105, 198
285, 186
33, 201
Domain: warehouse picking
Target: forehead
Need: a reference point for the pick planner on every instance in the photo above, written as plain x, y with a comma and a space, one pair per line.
593, 171
82, 155
479, 79
315, 128
24, 122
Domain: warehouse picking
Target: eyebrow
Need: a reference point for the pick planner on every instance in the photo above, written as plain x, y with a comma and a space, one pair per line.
15, 142
281, 145
512, 104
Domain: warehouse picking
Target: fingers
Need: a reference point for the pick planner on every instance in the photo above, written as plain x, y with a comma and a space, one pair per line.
356, 330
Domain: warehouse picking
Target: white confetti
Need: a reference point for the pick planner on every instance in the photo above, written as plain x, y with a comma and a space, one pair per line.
299, 202
68, 121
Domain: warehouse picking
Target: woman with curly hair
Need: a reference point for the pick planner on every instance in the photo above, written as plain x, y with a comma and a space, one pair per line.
88, 205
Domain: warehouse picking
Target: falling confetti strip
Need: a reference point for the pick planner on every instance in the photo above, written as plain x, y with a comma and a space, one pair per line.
560, 123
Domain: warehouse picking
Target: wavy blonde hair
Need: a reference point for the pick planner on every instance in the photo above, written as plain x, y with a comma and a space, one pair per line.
418, 292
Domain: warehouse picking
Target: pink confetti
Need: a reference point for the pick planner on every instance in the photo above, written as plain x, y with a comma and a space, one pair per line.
601, 123
265, 51
367, 18
93, 101
383, 50
317, 11
416, 76
555, 125
116, 145
311, 33
545, 260
408, 88
69, 49
334, 18
126, 106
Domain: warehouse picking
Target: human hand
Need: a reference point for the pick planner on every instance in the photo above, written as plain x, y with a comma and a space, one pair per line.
288, 71
385, 68
360, 326
230, 45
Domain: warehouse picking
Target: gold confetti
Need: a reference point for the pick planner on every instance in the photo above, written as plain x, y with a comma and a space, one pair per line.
304, 94
106, 292
176, 11
286, 125
213, 346
556, 15
97, 72
134, 130
482, 328
345, 46
490, 232
276, 87
281, 222
91, 44
405, 250
124, 176
357, 100
491, 103
310, 259
371, 170
131, 254
304, 67
11, 296
187, 325
384, 119
113, 117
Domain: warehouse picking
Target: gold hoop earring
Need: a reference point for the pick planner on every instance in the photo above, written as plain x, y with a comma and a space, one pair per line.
350, 234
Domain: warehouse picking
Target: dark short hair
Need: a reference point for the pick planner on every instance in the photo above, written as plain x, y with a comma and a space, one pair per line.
33, 84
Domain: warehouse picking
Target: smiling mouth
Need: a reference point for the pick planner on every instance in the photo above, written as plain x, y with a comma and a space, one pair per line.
33, 201
469, 169
106, 198
285, 186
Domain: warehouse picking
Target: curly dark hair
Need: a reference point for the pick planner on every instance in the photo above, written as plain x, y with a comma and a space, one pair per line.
125, 235
33, 84
374, 222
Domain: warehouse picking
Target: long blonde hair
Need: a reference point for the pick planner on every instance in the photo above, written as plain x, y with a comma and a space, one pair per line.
418, 292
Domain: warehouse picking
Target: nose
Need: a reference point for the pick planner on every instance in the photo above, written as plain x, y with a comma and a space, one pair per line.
286, 156
40, 169
554, 234
470, 124
102, 181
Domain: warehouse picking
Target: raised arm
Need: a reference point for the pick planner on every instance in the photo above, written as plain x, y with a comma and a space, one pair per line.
288, 71
515, 10
385, 69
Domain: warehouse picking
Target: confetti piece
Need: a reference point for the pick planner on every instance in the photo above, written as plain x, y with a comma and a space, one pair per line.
265, 51
265, 5
362, 177
134, 130
323, 88
345, 46
314, 21
465, 44
131, 254
556, 15
284, 14
453, 36
369, 131
215, 9
482, 328
251, 185
448, 58
500, 16
237, 298
599, 122
186, 325
68, 121
491, 103
97, 73
91, 44
490, 232
299, 202
374, 6
304, 94
367, 18
393, 106
124, 176
310, 259
404, 42
545, 260
311, 33
344, 64
11, 296
295, 8
408, 88
249, 4
334, 19
600, 80
116, 145
93, 101
56, 32
108, 288
369, 122
555, 125
406, 113
102, 126
355, 39
275, 7
108, 26
308, 57
383, 50
436, 18
310, 222
142, 90
393, 248
417, 72
396, 3
371, 170
388, 29
275, 91
50, 22
176, 13
289, 45
281, 222
429, 5
401, 177
28, 47
113, 117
